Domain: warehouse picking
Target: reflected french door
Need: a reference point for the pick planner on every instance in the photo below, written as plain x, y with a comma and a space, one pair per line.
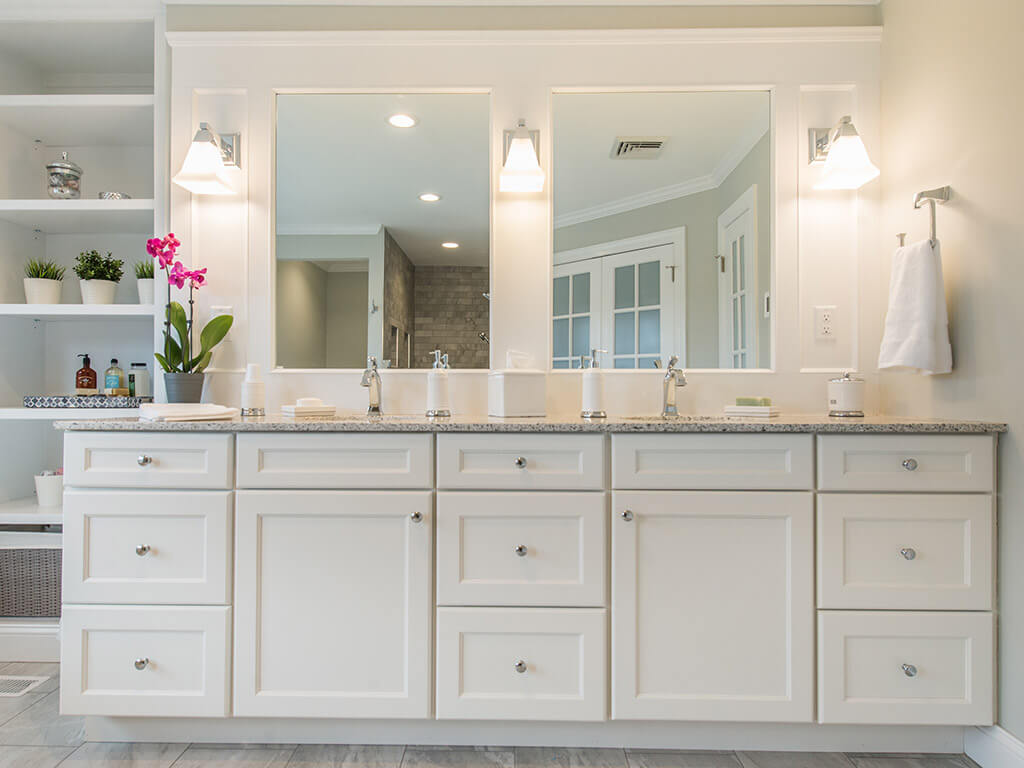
737, 283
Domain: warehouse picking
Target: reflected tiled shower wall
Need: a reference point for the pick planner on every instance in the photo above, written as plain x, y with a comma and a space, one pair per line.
450, 314
399, 279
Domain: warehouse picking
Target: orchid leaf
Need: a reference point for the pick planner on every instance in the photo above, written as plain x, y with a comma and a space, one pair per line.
174, 358
204, 361
179, 322
163, 362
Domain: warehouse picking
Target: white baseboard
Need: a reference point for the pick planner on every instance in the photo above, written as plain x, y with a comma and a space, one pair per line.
994, 747
29, 640
806, 737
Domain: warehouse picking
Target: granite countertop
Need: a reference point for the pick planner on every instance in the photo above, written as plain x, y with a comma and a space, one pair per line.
549, 424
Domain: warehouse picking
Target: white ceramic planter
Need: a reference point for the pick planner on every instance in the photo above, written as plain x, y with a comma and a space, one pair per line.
145, 290
49, 490
41, 291
98, 291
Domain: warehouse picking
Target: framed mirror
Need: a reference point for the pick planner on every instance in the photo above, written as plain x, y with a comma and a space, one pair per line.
382, 229
662, 239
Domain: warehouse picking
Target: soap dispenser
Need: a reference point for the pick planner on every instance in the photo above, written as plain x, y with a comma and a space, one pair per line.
593, 386
437, 387
85, 379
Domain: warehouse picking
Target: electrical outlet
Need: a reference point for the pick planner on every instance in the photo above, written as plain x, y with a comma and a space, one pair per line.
825, 323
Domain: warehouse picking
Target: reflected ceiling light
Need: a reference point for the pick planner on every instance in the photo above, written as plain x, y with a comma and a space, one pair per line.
430, 197
521, 171
402, 121
203, 172
847, 165
449, 245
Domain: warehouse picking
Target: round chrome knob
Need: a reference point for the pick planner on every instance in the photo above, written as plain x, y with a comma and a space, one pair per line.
521, 550
519, 666
909, 670
520, 462
627, 515
416, 517
144, 461
908, 553
142, 550
910, 464
141, 664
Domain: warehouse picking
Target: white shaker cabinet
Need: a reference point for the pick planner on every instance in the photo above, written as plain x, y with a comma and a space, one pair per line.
712, 606
333, 604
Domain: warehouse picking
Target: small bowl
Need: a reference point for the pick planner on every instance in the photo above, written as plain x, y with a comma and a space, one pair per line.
113, 196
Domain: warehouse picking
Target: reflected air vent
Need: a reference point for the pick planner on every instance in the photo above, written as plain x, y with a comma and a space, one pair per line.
637, 147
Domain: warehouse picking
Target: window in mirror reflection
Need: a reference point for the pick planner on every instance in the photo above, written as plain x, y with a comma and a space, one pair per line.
662, 228
382, 229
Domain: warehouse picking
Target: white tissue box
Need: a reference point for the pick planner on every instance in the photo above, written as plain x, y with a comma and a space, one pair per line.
516, 393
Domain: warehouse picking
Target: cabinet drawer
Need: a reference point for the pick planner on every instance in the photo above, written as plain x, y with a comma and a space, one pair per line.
521, 462
521, 548
370, 461
712, 462
916, 552
905, 668
906, 463
147, 661
147, 460
521, 664
147, 546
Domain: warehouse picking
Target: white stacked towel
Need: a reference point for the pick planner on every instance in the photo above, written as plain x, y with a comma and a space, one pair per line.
186, 412
917, 326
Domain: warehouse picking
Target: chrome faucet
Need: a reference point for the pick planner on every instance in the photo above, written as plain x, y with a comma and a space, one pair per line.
674, 379
371, 380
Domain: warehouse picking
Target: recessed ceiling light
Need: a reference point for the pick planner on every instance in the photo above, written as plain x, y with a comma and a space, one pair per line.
402, 121
430, 197
449, 245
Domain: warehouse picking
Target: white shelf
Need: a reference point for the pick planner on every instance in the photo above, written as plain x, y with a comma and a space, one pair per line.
64, 311
67, 217
75, 120
28, 512
65, 414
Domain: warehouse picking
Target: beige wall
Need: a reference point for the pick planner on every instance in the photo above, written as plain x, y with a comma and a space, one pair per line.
302, 301
347, 312
951, 107
699, 214
290, 18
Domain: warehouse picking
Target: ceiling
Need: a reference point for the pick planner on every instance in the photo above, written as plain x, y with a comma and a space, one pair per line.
92, 47
707, 133
342, 169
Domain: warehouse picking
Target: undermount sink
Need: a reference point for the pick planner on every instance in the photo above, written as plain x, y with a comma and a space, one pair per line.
669, 418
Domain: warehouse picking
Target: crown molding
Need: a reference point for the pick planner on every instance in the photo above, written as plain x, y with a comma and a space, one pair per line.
624, 3
718, 36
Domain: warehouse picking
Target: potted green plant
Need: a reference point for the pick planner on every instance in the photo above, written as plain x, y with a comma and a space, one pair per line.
42, 281
183, 371
99, 276
144, 280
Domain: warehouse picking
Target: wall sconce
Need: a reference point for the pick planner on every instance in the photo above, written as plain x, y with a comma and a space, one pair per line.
521, 171
210, 153
847, 165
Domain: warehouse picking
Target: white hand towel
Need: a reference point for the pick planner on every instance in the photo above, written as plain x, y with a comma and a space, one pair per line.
917, 326
186, 412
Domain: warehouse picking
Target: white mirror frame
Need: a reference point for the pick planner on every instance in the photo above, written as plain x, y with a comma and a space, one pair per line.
230, 79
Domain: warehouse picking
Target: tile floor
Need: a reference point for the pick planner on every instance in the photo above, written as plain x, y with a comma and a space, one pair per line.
34, 735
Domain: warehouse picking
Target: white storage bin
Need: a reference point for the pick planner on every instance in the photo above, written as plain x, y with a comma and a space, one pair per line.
513, 392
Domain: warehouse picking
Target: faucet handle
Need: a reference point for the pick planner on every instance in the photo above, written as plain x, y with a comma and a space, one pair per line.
371, 363
673, 361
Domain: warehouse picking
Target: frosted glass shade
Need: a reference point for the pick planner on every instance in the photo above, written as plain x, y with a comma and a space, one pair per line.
203, 172
847, 165
522, 171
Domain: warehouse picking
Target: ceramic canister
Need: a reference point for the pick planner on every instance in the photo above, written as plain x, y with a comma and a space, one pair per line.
846, 396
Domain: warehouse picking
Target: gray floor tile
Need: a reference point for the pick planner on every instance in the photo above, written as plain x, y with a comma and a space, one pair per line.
794, 760
35, 669
241, 746
212, 757
15, 705
345, 756
119, 755
458, 757
904, 761
32, 757
558, 757
673, 759
41, 725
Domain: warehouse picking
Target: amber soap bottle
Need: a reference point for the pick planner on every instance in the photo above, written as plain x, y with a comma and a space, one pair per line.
85, 379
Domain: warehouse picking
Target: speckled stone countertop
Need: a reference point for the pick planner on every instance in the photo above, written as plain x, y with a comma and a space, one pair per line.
550, 424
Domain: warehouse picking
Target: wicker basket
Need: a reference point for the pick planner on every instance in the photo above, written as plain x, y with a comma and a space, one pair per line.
30, 581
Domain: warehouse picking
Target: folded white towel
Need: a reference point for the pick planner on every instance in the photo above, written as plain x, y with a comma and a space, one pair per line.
186, 412
917, 326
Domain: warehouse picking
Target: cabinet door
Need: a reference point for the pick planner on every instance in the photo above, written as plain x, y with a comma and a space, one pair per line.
712, 606
333, 604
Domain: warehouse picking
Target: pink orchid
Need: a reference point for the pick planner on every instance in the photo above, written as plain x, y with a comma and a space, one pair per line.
177, 275
197, 277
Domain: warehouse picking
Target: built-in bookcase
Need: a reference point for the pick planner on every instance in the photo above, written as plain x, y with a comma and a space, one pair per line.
93, 88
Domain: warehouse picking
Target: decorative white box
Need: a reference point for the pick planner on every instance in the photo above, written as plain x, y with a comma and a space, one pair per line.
516, 393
